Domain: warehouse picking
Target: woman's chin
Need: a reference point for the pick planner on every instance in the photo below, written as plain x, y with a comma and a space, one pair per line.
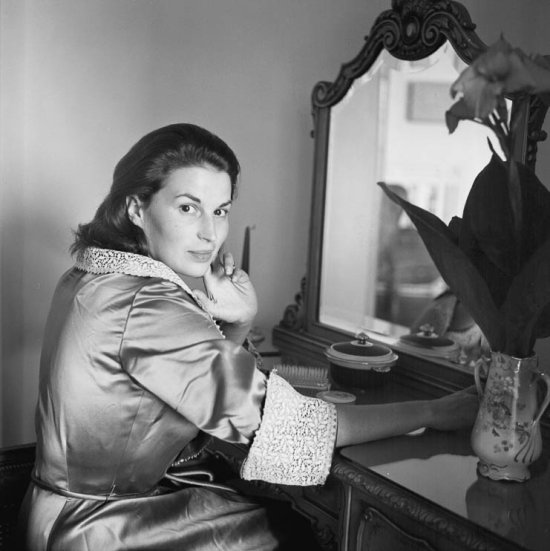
195, 272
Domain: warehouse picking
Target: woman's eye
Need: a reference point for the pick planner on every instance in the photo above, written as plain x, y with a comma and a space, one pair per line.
222, 212
188, 208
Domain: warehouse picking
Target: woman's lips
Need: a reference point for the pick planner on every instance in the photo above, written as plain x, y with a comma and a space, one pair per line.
201, 256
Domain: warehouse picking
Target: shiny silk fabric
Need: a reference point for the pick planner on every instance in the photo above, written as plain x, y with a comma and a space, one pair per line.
131, 370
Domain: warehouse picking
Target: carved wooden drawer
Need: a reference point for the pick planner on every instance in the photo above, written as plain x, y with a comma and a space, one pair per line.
377, 531
369, 524
379, 515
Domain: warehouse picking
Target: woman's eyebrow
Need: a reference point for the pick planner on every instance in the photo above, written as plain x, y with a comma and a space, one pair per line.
189, 196
197, 200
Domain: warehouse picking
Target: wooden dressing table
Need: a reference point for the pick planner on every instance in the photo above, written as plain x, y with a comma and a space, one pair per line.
416, 492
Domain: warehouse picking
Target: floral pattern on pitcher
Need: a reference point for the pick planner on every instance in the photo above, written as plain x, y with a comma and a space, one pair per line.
506, 436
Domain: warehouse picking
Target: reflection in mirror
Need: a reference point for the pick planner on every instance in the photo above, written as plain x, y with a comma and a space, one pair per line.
390, 127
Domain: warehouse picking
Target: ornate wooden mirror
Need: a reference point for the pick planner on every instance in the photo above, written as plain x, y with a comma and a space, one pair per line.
383, 119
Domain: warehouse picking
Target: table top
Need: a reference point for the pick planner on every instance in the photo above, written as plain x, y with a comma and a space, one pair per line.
441, 467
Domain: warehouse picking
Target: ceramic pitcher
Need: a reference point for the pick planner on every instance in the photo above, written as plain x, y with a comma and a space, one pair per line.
506, 435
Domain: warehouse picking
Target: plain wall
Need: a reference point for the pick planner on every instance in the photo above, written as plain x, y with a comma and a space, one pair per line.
82, 80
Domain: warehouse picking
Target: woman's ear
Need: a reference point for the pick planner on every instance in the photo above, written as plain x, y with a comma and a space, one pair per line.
134, 208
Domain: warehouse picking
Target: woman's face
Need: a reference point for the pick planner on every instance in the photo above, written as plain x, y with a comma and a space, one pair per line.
187, 220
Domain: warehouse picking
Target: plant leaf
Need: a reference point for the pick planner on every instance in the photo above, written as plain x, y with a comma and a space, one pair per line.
456, 269
514, 194
542, 326
455, 226
487, 231
459, 111
528, 298
488, 215
536, 212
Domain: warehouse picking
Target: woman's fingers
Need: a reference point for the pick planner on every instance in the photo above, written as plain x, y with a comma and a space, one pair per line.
240, 277
230, 295
204, 300
209, 281
225, 265
228, 263
222, 266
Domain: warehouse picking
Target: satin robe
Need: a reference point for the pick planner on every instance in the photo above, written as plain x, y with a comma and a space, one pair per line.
131, 370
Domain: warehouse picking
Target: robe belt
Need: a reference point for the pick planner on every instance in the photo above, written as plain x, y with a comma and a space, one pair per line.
181, 478
187, 477
78, 495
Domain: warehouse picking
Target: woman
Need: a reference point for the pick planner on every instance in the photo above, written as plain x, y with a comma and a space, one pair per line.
136, 368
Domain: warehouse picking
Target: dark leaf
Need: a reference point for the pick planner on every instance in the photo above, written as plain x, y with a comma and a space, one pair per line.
488, 215
451, 120
514, 194
456, 269
454, 227
542, 327
496, 280
536, 212
487, 232
517, 118
459, 111
528, 298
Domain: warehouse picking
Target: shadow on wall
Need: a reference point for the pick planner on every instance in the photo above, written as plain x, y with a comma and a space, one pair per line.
33, 257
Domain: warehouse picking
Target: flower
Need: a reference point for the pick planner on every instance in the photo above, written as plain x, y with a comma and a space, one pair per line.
496, 258
482, 86
500, 70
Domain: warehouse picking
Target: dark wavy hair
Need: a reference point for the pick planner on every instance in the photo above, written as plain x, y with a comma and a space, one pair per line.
142, 172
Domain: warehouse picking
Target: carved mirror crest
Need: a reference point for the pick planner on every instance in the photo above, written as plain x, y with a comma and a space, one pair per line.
383, 119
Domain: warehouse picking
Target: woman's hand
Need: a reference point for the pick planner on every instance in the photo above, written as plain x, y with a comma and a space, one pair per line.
230, 297
455, 411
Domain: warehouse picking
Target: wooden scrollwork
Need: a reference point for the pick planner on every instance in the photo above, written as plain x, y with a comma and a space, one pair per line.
293, 317
410, 30
414, 508
415, 29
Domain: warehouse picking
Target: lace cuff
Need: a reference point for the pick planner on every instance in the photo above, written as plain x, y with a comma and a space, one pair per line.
295, 442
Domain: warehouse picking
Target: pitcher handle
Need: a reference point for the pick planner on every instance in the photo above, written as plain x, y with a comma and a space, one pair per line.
477, 377
546, 401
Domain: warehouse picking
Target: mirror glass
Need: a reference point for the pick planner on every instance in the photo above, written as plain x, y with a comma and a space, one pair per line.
376, 273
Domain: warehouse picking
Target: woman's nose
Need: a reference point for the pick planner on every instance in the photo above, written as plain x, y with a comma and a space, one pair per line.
207, 229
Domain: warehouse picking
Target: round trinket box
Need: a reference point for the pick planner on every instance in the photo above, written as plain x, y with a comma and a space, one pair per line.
360, 363
428, 342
